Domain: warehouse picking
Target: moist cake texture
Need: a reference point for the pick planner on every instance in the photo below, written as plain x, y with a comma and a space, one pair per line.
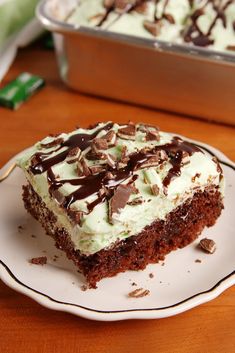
204, 23
118, 197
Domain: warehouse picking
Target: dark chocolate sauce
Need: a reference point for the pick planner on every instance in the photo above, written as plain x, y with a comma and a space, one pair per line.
92, 184
78, 140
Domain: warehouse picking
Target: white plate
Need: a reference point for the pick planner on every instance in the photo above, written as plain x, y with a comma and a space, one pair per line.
178, 286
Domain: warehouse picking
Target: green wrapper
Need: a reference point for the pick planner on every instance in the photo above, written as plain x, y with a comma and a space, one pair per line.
19, 90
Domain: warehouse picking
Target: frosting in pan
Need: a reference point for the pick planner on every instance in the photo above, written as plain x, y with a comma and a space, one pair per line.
204, 23
107, 183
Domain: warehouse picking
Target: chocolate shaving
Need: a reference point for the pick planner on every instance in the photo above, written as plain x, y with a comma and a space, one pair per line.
127, 133
55, 142
118, 201
39, 260
139, 293
208, 245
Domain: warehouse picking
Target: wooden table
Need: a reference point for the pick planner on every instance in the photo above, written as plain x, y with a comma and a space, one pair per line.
25, 326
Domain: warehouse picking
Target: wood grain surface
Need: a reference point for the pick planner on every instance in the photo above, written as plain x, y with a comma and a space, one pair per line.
25, 326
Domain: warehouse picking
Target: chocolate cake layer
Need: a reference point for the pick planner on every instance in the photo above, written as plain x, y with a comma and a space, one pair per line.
180, 228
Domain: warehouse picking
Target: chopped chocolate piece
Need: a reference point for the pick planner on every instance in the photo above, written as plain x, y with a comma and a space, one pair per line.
73, 155
136, 201
197, 175
121, 6
82, 168
155, 189
153, 27
34, 160
55, 142
152, 136
96, 169
139, 293
111, 138
57, 194
118, 201
169, 18
198, 261
92, 156
109, 3
127, 133
38, 260
231, 47
142, 8
208, 245
147, 127
99, 144
76, 216
134, 189
219, 169
152, 161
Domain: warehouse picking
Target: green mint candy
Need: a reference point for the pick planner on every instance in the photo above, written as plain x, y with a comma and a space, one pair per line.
20, 89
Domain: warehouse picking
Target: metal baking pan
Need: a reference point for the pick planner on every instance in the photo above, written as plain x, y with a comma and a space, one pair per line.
193, 81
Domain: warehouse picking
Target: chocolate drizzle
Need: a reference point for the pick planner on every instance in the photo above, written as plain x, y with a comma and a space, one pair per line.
93, 184
192, 33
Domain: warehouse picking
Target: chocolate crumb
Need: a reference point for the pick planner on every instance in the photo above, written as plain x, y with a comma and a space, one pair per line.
84, 287
38, 260
134, 284
151, 275
208, 245
163, 264
33, 236
139, 293
20, 228
198, 261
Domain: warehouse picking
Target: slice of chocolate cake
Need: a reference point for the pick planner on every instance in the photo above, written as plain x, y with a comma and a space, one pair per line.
118, 197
